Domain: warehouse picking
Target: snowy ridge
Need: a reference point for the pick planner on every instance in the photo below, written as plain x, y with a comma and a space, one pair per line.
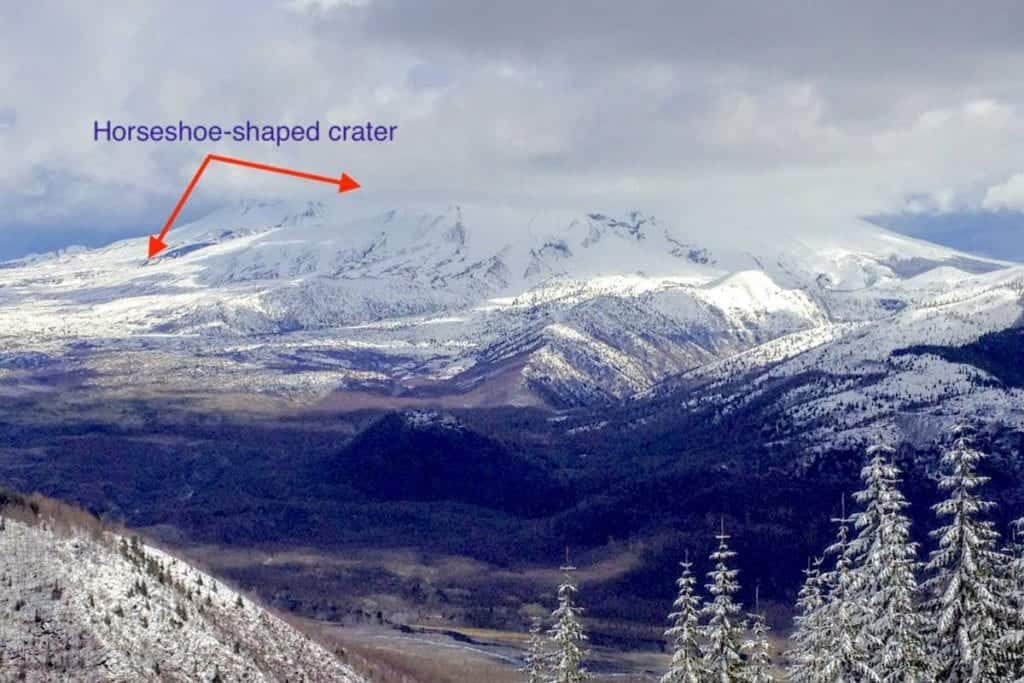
78, 606
848, 383
300, 300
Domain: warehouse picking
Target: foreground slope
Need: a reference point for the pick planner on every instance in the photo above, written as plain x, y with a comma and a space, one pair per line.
95, 607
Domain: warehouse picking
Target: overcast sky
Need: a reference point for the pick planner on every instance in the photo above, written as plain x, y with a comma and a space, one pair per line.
709, 111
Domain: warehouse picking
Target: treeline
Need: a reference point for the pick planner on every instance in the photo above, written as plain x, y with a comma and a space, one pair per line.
872, 608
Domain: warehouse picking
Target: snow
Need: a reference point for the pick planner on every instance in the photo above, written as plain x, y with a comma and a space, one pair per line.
73, 604
296, 300
864, 391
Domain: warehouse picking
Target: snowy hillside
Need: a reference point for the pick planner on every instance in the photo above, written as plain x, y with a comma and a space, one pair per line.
89, 607
496, 306
906, 377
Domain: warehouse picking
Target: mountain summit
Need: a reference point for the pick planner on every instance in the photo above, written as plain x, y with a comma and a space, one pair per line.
478, 305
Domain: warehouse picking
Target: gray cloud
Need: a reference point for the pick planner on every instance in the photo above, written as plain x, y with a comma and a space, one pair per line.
8, 118
706, 109
872, 38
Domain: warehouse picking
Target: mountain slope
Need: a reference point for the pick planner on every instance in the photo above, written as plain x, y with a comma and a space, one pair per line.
80, 605
908, 377
430, 456
299, 301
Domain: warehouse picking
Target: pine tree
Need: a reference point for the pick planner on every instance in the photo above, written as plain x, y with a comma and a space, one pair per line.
969, 593
807, 657
759, 659
568, 639
723, 631
885, 570
687, 665
842, 616
1013, 640
537, 655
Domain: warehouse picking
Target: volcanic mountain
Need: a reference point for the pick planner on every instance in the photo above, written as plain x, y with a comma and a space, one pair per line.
466, 306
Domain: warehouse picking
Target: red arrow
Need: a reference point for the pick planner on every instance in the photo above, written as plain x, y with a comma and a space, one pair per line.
345, 183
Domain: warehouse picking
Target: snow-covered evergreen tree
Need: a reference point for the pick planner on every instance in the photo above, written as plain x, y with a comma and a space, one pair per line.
970, 604
723, 631
1013, 640
884, 576
568, 640
537, 658
842, 616
687, 663
812, 646
758, 649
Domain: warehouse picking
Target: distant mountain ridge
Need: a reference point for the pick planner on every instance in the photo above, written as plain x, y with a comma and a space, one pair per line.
483, 305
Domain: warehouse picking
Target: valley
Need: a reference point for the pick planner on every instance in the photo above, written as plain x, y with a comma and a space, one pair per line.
396, 428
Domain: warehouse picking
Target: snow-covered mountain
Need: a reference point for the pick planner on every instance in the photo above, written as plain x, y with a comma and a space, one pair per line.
477, 305
953, 355
84, 604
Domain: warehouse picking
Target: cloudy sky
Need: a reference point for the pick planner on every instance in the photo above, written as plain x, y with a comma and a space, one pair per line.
714, 112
